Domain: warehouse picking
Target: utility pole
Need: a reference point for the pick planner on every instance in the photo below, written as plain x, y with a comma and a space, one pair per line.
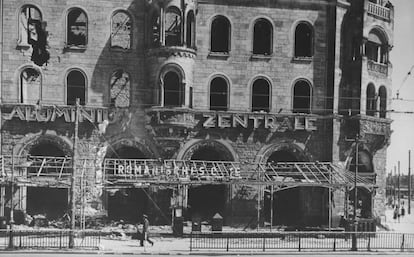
11, 240
409, 181
398, 184
72, 202
357, 140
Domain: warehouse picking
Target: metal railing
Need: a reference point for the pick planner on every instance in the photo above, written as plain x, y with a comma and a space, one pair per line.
325, 241
48, 239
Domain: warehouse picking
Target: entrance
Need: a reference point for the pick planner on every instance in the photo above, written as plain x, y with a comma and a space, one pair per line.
364, 207
51, 202
207, 200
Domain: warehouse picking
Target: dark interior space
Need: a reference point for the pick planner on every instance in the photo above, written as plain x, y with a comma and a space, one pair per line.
126, 152
127, 204
51, 202
364, 207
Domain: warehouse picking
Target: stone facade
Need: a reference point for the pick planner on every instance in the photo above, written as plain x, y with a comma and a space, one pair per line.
172, 41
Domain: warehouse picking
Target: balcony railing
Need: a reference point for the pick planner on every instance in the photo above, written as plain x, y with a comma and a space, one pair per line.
379, 11
378, 67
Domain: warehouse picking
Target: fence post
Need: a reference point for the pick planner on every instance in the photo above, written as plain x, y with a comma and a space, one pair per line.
227, 244
264, 243
334, 246
369, 242
402, 243
299, 243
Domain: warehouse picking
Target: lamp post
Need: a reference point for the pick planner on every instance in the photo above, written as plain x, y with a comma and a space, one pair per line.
11, 243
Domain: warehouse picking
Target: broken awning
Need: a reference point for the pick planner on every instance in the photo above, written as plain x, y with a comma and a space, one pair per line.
326, 174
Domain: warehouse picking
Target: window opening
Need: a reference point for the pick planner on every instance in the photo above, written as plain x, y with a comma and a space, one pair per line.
30, 86
261, 96
76, 84
172, 90
190, 36
303, 40
172, 27
218, 94
121, 30
301, 97
77, 28
376, 50
220, 35
120, 89
383, 102
262, 38
371, 100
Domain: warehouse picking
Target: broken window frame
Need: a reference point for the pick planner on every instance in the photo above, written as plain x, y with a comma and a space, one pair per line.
222, 23
23, 26
173, 31
261, 97
303, 44
219, 93
261, 44
125, 23
371, 100
76, 86
71, 42
25, 95
382, 92
302, 103
377, 51
126, 88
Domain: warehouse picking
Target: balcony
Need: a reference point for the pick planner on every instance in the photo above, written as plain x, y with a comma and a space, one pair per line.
379, 11
167, 51
377, 67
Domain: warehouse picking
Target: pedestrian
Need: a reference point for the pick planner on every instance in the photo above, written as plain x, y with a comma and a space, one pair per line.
395, 212
145, 231
402, 210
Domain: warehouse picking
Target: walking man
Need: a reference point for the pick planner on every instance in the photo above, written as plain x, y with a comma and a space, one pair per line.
145, 228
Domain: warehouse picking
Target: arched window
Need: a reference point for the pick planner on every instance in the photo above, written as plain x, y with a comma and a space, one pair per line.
376, 49
121, 30
190, 34
75, 87
302, 97
383, 102
173, 90
77, 28
218, 94
30, 86
303, 40
220, 35
29, 15
371, 100
120, 89
261, 95
364, 162
262, 37
173, 27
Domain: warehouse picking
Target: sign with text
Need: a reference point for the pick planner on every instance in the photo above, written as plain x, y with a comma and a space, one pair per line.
131, 169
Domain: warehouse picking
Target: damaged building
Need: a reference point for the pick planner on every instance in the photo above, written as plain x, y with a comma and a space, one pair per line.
260, 111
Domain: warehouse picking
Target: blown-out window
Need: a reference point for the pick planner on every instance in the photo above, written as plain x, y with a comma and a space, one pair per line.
173, 90
371, 105
77, 28
121, 30
303, 40
190, 34
383, 101
301, 97
172, 27
262, 37
261, 96
220, 35
120, 89
75, 87
218, 94
28, 16
376, 48
30, 86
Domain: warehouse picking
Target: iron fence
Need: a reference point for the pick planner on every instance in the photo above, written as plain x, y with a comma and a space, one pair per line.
328, 241
48, 239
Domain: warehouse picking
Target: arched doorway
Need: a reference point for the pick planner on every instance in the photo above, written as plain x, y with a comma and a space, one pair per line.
48, 201
296, 207
127, 204
207, 200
